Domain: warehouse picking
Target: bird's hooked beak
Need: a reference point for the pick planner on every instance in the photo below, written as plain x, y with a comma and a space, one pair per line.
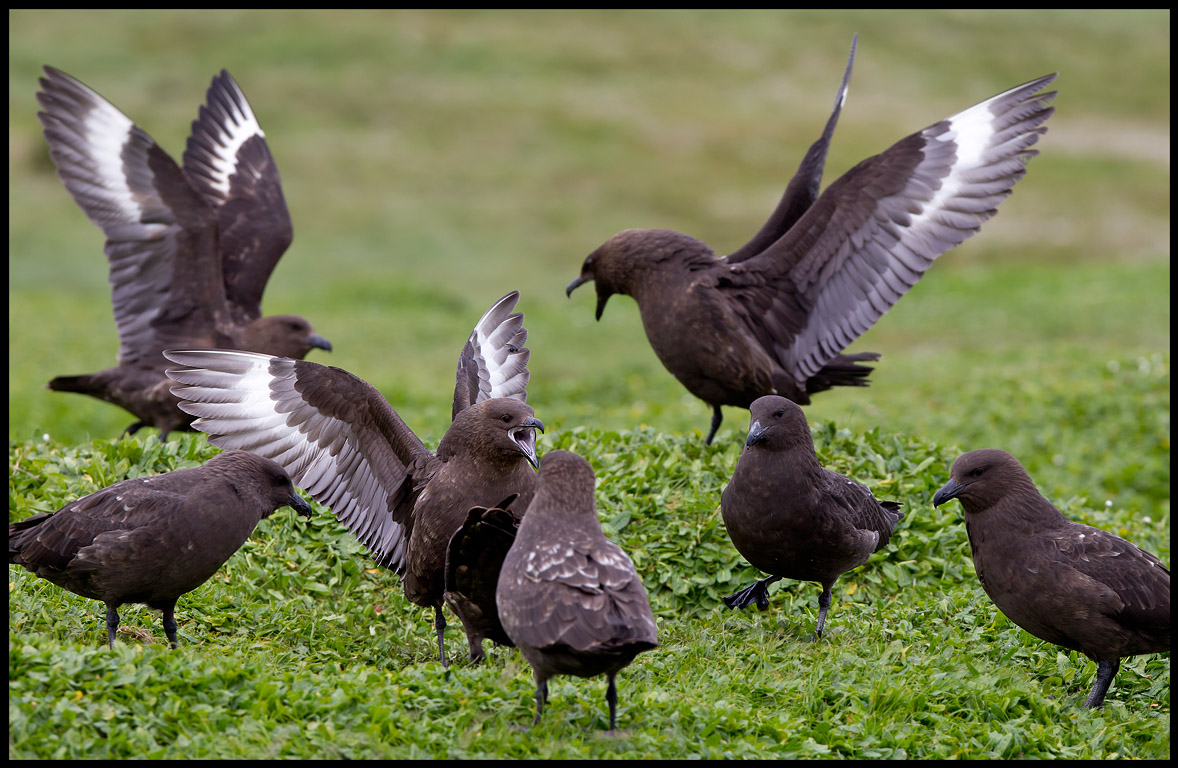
586, 277
577, 283
299, 504
318, 342
949, 490
524, 437
756, 432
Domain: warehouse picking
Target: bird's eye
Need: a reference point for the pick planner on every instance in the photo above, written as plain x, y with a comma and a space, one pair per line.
505, 418
780, 413
976, 472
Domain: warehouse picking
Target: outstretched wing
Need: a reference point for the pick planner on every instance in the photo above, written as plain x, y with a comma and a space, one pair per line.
873, 233
165, 276
229, 163
333, 433
494, 360
802, 190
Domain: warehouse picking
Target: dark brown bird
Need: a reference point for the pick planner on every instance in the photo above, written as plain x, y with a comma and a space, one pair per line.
474, 558
774, 316
190, 249
569, 598
792, 518
342, 443
1069, 584
152, 539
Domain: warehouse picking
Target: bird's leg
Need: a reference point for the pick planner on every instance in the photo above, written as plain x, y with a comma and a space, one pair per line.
823, 607
112, 624
440, 626
541, 697
717, 417
170, 624
611, 696
133, 428
1105, 672
758, 592
477, 654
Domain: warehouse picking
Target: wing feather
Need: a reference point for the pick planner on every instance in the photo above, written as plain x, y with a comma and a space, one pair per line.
494, 360
335, 435
873, 233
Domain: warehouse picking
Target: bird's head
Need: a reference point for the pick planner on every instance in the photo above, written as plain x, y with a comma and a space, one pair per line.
495, 429
777, 424
270, 479
282, 336
980, 478
620, 264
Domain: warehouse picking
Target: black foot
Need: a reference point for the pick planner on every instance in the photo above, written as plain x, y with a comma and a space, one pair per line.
758, 593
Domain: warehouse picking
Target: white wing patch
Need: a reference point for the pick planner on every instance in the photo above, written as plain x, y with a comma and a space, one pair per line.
248, 401
237, 126
497, 343
105, 131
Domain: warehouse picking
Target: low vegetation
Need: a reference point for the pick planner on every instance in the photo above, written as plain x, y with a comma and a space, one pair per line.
433, 161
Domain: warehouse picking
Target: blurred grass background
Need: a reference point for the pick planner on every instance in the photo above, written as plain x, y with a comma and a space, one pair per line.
434, 160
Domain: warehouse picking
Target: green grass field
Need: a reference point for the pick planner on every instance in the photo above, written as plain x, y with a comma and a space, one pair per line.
433, 161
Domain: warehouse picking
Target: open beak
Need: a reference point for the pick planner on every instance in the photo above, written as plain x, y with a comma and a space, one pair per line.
949, 490
756, 432
299, 504
524, 437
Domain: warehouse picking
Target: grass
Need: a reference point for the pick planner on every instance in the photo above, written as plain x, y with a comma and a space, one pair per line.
435, 160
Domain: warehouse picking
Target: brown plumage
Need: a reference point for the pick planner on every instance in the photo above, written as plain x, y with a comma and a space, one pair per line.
344, 444
792, 518
1070, 584
774, 316
152, 539
474, 558
569, 598
190, 248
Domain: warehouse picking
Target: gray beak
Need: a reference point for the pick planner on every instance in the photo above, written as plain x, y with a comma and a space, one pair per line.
756, 432
299, 504
948, 491
317, 341
568, 291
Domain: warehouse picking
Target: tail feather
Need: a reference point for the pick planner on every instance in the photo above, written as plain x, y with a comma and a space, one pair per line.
87, 385
842, 371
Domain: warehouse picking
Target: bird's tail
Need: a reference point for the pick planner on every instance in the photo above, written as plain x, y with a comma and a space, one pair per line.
86, 385
17, 536
842, 371
894, 508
